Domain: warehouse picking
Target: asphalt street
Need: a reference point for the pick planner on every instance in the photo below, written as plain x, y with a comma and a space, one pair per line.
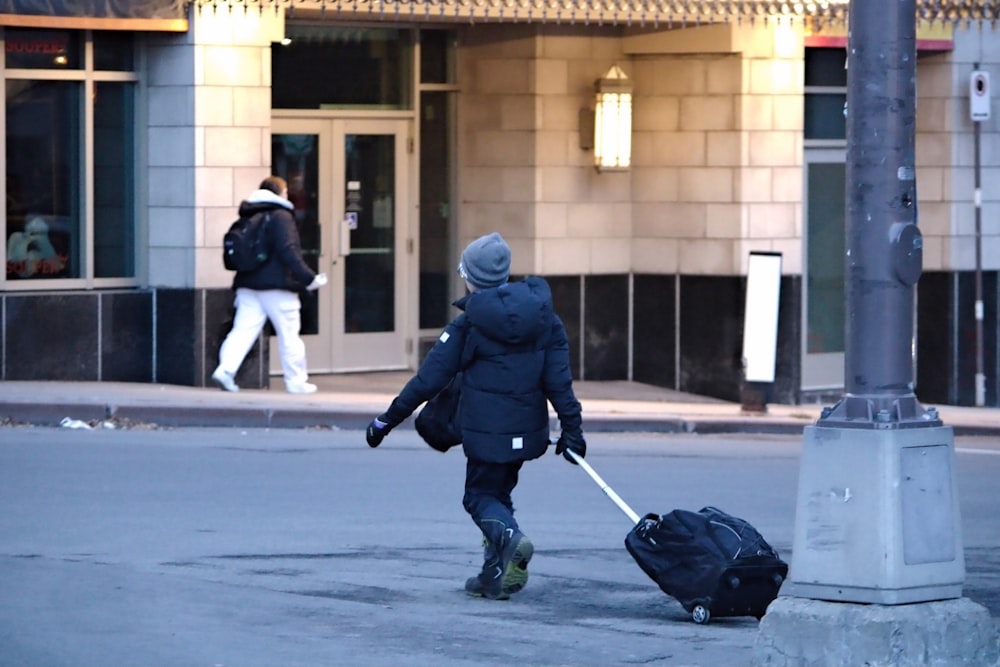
247, 547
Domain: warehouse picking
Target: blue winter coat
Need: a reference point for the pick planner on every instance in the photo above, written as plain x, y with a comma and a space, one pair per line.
284, 269
513, 352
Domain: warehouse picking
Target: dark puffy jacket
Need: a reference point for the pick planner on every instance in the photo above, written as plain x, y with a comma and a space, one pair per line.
284, 268
514, 354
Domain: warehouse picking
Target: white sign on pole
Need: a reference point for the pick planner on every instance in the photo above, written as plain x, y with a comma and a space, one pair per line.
979, 95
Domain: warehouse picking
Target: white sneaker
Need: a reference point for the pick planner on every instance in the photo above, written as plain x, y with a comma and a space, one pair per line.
301, 388
224, 380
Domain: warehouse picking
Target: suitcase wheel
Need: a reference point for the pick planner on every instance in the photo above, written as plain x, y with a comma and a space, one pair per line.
777, 579
733, 582
700, 614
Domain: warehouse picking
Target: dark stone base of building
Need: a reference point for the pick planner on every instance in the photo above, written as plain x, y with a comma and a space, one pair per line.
169, 336
686, 333
946, 338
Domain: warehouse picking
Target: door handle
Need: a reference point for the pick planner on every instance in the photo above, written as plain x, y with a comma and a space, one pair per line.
346, 225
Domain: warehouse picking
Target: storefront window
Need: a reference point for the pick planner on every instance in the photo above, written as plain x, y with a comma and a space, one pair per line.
44, 227
114, 51
362, 68
823, 206
114, 185
825, 94
438, 225
824, 116
67, 217
437, 56
43, 49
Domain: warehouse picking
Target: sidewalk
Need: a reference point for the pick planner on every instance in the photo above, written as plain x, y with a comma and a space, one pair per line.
349, 401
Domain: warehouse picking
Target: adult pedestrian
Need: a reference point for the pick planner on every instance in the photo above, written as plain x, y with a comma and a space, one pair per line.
271, 292
513, 353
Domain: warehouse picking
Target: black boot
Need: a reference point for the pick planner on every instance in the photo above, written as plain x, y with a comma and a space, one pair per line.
517, 551
488, 583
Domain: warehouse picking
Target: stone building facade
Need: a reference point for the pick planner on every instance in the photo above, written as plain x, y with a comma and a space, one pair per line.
413, 132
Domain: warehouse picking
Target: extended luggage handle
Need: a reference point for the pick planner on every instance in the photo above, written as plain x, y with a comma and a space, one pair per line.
622, 505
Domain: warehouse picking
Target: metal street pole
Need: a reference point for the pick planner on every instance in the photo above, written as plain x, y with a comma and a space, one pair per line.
980, 362
884, 245
877, 559
979, 110
877, 517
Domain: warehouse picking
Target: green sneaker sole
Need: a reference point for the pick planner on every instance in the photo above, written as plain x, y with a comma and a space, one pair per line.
482, 594
515, 576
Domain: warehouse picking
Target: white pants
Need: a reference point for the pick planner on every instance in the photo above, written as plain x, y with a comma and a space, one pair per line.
253, 308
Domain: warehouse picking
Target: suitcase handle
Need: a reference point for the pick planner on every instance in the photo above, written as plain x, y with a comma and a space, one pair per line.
622, 505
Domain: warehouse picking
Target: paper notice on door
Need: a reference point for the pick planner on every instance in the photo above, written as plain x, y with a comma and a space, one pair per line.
382, 212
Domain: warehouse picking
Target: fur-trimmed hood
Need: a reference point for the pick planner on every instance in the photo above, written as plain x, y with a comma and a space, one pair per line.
262, 200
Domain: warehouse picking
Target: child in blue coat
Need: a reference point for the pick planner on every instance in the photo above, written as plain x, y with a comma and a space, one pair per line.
513, 353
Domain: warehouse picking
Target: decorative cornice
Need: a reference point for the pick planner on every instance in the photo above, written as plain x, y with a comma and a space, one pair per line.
658, 13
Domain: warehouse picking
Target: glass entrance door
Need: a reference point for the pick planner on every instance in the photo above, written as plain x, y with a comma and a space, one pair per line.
823, 356
349, 181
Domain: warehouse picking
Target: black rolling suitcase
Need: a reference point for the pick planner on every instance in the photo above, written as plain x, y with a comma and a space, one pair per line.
711, 562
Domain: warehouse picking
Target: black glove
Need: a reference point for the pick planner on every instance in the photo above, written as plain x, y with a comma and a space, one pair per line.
571, 442
377, 430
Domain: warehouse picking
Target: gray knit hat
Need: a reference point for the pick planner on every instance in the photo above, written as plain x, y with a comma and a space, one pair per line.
486, 261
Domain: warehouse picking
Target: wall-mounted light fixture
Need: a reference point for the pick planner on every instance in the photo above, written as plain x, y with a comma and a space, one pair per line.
613, 121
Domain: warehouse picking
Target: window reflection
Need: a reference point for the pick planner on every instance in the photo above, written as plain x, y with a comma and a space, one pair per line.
53, 192
43, 207
114, 51
437, 259
825, 184
437, 62
43, 49
114, 184
824, 116
370, 164
295, 157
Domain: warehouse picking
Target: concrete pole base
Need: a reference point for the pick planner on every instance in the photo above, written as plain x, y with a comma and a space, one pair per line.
798, 632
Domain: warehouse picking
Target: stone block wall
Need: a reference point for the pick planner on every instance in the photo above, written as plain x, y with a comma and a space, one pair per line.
718, 160
946, 341
522, 169
717, 149
209, 146
209, 139
945, 155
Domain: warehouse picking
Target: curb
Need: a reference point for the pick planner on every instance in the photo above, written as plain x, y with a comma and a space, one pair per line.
172, 416
176, 416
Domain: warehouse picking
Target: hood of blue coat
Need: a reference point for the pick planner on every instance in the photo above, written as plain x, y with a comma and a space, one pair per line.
513, 313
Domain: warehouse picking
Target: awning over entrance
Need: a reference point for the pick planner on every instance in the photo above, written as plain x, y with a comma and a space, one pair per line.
162, 15
659, 13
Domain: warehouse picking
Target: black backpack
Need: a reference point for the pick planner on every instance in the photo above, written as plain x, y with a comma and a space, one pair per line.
244, 246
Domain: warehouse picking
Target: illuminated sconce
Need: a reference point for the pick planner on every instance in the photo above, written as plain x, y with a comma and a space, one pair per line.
613, 121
